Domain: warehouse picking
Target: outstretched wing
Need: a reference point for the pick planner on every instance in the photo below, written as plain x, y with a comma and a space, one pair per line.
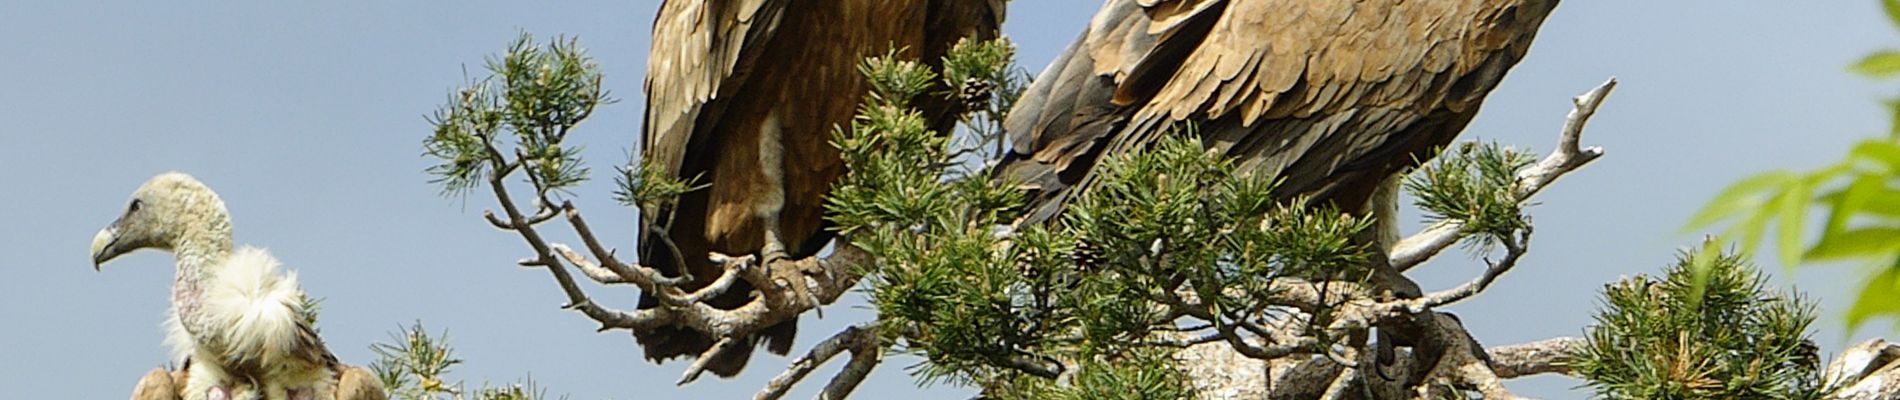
1328, 96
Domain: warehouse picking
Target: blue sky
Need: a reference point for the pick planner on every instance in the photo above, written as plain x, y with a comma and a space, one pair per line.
308, 118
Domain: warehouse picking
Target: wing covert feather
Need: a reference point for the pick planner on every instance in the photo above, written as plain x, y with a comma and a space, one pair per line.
1305, 90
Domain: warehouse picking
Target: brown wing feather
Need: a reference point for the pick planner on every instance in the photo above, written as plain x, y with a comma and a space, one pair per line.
761, 141
1329, 96
701, 50
698, 46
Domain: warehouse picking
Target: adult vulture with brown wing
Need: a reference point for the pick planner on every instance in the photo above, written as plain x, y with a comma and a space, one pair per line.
1331, 97
742, 95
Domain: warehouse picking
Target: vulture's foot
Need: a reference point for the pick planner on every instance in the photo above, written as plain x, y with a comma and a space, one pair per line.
774, 248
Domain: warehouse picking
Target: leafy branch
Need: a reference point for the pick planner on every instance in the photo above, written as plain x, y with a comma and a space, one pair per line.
415, 365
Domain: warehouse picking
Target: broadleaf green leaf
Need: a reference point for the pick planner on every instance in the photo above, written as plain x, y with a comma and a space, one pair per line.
1881, 201
1742, 196
1754, 225
1880, 64
1847, 202
1881, 151
1893, 10
1893, 109
1877, 298
1793, 213
1854, 243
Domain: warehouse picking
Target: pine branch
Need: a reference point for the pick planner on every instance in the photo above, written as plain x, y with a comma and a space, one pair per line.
1568, 157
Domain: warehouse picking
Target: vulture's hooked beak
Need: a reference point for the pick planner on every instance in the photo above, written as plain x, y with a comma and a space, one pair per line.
105, 246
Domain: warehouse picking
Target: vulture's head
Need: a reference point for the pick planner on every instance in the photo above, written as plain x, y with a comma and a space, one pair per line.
169, 212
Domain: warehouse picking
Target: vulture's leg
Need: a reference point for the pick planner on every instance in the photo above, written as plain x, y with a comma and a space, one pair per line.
1384, 208
771, 203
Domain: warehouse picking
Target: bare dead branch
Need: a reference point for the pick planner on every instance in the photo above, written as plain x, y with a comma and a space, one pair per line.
1186, 341
1342, 384
587, 267
1540, 357
1435, 238
1514, 249
1568, 156
854, 373
857, 339
1869, 370
647, 278
577, 300
496, 221
699, 364
831, 276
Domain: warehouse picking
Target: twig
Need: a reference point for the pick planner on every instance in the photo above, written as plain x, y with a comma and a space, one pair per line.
1514, 250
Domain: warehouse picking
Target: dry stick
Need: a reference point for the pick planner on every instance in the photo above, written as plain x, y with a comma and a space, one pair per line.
699, 365
834, 274
679, 307
1568, 156
852, 339
639, 275
517, 222
862, 361
1342, 385
1514, 250
1546, 356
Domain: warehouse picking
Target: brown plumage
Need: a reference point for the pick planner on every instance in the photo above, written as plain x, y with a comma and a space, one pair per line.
353, 383
743, 95
358, 383
160, 384
1331, 97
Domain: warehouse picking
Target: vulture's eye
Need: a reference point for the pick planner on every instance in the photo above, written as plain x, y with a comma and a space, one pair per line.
134, 207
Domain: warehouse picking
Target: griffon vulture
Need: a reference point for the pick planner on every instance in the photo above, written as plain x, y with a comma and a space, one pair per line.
236, 317
742, 95
1330, 97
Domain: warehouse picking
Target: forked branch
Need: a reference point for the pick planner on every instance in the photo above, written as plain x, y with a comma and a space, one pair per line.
1567, 157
